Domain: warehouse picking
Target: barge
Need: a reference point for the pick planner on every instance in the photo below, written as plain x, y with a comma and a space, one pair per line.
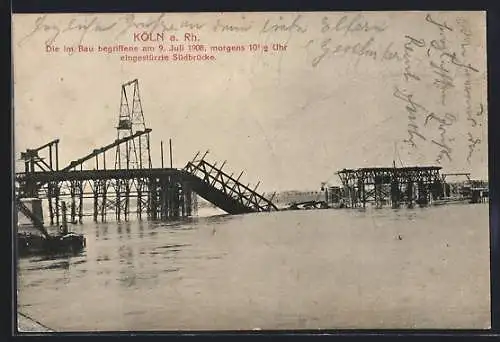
34, 244
40, 241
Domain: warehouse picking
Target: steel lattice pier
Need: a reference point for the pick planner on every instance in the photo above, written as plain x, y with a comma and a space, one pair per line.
394, 186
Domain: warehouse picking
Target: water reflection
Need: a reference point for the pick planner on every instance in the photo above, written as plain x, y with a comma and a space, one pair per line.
221, 219
169, 251
174, 271
173, 246
101, 230
105, 231
36, 283
141, 229
135, 255
102, 256
127, 270
127, 229
126, 254
60, 264
72, 267
144, 253
152, 230
56, 257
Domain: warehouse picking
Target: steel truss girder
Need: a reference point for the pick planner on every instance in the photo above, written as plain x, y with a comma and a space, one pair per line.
231, 187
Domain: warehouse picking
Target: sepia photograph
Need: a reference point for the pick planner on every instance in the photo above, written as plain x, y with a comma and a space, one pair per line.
250, 171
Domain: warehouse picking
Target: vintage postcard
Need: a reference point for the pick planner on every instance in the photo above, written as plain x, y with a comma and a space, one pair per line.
251, 171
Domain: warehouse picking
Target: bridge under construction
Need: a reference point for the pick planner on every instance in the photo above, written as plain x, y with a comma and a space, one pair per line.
394, 185
119, 179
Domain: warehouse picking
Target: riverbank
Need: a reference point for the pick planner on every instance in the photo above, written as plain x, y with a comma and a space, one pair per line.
27, 324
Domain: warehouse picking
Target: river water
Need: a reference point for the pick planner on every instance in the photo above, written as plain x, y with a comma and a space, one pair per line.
407, 268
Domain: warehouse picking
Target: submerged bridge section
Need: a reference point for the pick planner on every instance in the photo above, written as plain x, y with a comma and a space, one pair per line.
225, 191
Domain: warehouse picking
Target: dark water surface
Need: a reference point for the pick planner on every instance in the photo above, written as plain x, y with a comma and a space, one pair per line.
418, 268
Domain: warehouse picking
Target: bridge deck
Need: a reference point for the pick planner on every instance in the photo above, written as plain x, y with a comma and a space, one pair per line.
203, 178
81, 175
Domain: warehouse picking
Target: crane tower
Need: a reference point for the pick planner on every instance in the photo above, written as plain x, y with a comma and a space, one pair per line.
136, 153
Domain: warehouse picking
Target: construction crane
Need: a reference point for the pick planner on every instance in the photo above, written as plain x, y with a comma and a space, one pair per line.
135, 154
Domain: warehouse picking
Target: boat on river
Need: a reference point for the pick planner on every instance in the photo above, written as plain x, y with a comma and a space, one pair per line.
35, 244
41, 242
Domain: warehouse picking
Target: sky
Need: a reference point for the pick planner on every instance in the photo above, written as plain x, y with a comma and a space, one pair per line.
344, 93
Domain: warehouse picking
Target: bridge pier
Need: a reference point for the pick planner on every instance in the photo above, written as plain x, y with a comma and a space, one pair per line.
187, 200
50, 194
378, 193
164, 200
409, 193
143, 194
104, 185
162, 197
153, 199
395, 194
96, 200
54, 206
